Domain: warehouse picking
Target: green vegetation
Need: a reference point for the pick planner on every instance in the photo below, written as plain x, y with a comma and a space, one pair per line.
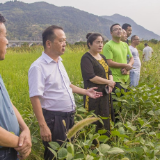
136, 136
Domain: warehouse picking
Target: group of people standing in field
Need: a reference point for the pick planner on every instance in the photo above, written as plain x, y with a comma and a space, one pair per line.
51, 92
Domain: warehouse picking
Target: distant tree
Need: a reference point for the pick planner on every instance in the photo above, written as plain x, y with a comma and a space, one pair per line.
154, 41
81, 43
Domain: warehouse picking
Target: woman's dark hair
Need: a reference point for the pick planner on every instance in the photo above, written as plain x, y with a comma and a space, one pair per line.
49, 34
92, 37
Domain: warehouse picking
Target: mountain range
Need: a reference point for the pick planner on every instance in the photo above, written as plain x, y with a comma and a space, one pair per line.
26, 21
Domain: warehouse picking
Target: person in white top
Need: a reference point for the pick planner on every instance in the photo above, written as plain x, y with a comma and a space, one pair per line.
135, 71
50, 90
147, 52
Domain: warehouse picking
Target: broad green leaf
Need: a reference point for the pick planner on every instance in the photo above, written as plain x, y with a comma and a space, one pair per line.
158, 135
54, 145
141, 121
118, 94
54, 153
69, 156
102, 131
121, 130
124, 85
103, 138
152, 133
139, 150
82, 109
70, 148
157, 112
62, 153
142, 141
103, 148
115, 150
79, 156
150, 144
95, 136
145, 149
151, 113
88, 157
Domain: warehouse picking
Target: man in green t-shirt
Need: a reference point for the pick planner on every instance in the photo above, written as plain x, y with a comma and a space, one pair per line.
116, 53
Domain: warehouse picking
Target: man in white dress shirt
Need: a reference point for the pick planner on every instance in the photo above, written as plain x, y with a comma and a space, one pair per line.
51, 91
147, 52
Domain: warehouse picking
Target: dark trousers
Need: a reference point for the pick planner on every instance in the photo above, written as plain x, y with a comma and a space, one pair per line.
8, 154
58, 130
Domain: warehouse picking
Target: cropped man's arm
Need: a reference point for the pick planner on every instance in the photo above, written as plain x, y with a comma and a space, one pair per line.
21, 122
78, 90
7, 139
131, 61
24, 144
44, 130
115, 64
90, 92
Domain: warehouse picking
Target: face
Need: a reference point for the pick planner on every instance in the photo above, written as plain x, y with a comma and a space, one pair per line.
97, 45
136, 40
129, 31
116, 31
59, 43
124, 36
3, 41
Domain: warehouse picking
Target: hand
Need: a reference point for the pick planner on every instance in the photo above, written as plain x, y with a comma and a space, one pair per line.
128, 67
24, 143
111, 83
24, 156
45, 133
92, 93
110, 89
124, 71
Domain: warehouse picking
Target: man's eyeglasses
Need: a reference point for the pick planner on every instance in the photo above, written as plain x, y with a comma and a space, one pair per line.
117, 29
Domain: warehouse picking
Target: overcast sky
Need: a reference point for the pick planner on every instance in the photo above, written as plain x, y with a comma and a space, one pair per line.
144, 12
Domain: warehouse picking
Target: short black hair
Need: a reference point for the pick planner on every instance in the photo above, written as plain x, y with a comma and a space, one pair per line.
48, 34
92, 37
146, 44
113, 26
125, 26
2, 19
132, 38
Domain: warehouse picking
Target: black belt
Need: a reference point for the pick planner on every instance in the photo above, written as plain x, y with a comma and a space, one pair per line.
58, 113
4, 148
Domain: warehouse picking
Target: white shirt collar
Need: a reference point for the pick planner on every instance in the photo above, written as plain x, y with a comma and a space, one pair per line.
48, 59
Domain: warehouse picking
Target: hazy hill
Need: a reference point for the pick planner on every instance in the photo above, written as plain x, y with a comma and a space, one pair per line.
137, 29
27, 21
